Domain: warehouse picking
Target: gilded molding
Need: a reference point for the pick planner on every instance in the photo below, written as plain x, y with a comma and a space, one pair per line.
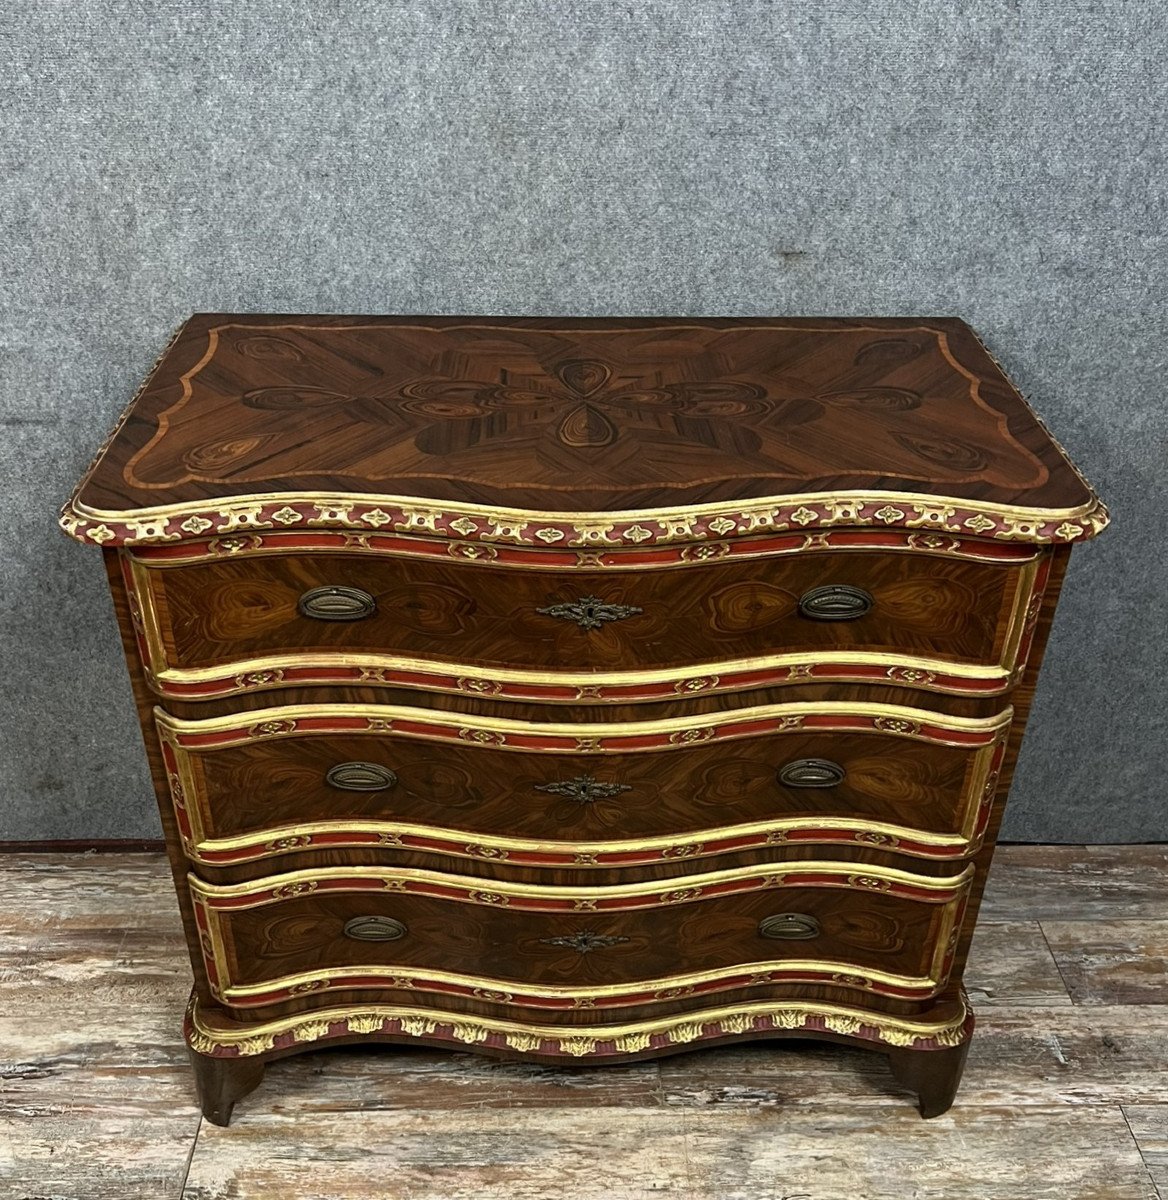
650, 893
473, 523
650, 736
215, 1038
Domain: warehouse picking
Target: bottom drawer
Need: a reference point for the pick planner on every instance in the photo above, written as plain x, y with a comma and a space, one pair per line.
837, 924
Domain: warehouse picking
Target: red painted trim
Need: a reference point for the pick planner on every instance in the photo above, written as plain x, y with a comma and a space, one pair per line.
265, 844
534, 740
441, 678
238, 517
550, 558
679, 893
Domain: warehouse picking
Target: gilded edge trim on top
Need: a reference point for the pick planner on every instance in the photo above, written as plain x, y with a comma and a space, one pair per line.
501, 523
792, 1017
464, 521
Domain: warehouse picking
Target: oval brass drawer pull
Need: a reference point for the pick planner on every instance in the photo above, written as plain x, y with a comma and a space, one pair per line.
360, 777
792, 927
811, 773
374, 929
835, 602
336, 603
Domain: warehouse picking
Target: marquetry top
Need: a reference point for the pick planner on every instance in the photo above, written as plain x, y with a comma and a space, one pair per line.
566, 431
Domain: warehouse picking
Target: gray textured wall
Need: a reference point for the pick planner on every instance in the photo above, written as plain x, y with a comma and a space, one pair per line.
1002, 161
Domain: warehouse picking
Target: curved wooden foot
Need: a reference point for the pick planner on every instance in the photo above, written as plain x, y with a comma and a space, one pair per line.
933, 1074
223, 1081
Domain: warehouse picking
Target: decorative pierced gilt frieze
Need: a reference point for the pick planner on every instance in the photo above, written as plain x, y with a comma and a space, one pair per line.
954, 516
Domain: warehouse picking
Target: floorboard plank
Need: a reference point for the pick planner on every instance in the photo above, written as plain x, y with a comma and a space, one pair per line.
1011, 964
94, 1158
1149, 1126
1004, 1153
1112, 962
631, 1154
522, 1154
387, 1078
1077, 883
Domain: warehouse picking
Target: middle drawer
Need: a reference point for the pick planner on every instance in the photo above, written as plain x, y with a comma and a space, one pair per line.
289, 779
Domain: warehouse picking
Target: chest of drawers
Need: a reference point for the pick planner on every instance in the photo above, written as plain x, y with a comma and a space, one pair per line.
580, 690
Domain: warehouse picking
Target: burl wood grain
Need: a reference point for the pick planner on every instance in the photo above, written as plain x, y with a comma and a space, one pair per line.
579, 414
235, 609
263, 786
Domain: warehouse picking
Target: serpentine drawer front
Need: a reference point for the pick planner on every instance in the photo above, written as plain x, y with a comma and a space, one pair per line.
285, 780
352, 929
580, 690
246, 619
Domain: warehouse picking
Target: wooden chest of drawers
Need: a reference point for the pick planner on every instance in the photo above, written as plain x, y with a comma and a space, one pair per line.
580, 690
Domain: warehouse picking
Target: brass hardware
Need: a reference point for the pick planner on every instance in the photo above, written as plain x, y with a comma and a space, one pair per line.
589, 612
583, 788
835, 602
336, 603
360, 777
811, 773
374, 929
584, 941
791, 927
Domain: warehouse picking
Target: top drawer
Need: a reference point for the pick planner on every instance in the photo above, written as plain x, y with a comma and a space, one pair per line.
954, 617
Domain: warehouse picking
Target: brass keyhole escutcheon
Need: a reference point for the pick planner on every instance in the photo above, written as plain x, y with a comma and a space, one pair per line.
589, 612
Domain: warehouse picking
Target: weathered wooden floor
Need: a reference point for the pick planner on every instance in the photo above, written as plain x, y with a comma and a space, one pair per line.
1065, 1095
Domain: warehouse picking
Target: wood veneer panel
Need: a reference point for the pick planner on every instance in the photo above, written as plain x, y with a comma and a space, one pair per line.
579, 414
